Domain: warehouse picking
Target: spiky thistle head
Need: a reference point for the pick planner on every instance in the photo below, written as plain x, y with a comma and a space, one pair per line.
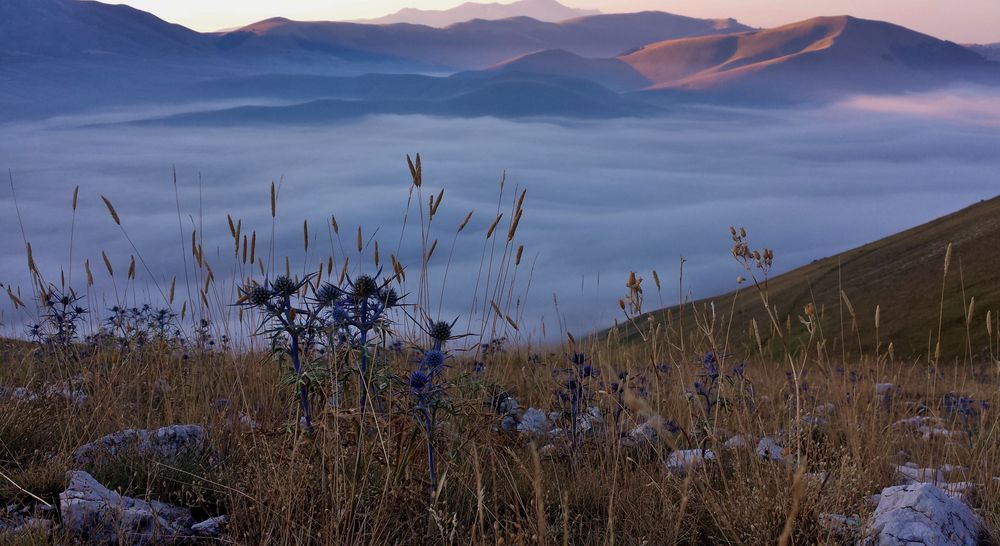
259, 295
419, 381
440, 331
389, 297
327, 295
365, 287
284, 286
433, 360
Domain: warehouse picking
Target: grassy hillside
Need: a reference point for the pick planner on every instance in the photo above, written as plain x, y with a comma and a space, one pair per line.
903, 275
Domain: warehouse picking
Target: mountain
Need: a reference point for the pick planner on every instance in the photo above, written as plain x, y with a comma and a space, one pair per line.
990, 51
542, 10
332, 99
614, 74
817, 59
472, 44
901, 274
74, 28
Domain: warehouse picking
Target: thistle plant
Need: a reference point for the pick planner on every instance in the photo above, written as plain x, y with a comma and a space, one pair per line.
575, 390
428, 389
58, 326
135, 327
290, 320
357, 318
706, 387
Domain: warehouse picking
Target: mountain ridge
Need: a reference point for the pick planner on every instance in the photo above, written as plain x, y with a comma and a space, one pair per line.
542, 10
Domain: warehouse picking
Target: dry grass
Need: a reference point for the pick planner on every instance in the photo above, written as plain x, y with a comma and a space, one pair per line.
283, 487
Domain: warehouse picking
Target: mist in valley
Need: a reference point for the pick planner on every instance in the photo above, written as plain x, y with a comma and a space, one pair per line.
603, 197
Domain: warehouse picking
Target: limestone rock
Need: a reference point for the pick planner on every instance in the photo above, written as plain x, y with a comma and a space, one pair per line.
921, 515
167, 444
97, 515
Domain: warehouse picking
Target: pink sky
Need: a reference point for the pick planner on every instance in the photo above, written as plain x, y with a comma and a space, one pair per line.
957, 20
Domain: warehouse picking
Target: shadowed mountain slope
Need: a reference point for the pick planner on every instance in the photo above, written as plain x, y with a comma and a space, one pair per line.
76, 28
990, 51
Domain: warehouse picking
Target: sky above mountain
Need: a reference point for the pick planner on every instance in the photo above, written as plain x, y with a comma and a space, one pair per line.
958, 20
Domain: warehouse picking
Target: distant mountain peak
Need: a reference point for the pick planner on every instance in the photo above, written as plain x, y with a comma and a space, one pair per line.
542, 10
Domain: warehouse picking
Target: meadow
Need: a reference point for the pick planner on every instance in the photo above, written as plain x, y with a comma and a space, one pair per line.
342, 407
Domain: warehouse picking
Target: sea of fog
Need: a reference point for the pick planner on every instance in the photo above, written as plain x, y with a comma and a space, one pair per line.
603, 198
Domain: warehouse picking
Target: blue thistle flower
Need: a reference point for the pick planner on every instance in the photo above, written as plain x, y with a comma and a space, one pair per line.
433, 360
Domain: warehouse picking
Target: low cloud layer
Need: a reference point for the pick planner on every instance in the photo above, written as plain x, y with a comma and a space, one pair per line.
604, 198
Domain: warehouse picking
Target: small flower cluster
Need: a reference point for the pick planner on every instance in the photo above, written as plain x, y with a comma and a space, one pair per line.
137, 327
59, 321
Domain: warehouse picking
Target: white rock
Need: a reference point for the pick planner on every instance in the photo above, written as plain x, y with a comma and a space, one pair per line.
882, 388
813, 421
826, 408
921, 515
681, 460
818, 478
647, 432
167, 444
937, 432
768, 448
918, 421
909, 475
840, 525
97, 515
534, 421
737, 441
211, 527
959, 490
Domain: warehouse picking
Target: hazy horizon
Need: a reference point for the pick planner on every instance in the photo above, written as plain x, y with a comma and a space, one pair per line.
973, 22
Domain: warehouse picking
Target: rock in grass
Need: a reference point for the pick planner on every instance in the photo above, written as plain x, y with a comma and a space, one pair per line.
534, 421
97, 515
167, 445
738, 441
769, 449
921, 515
884, 388
682, 460
210, 528
840, 525
908, 474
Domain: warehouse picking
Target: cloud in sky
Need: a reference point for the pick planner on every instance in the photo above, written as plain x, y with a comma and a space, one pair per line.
604, 198
960, 20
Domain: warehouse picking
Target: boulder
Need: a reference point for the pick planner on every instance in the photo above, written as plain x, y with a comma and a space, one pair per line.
921, 515
167, 445
95, 514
